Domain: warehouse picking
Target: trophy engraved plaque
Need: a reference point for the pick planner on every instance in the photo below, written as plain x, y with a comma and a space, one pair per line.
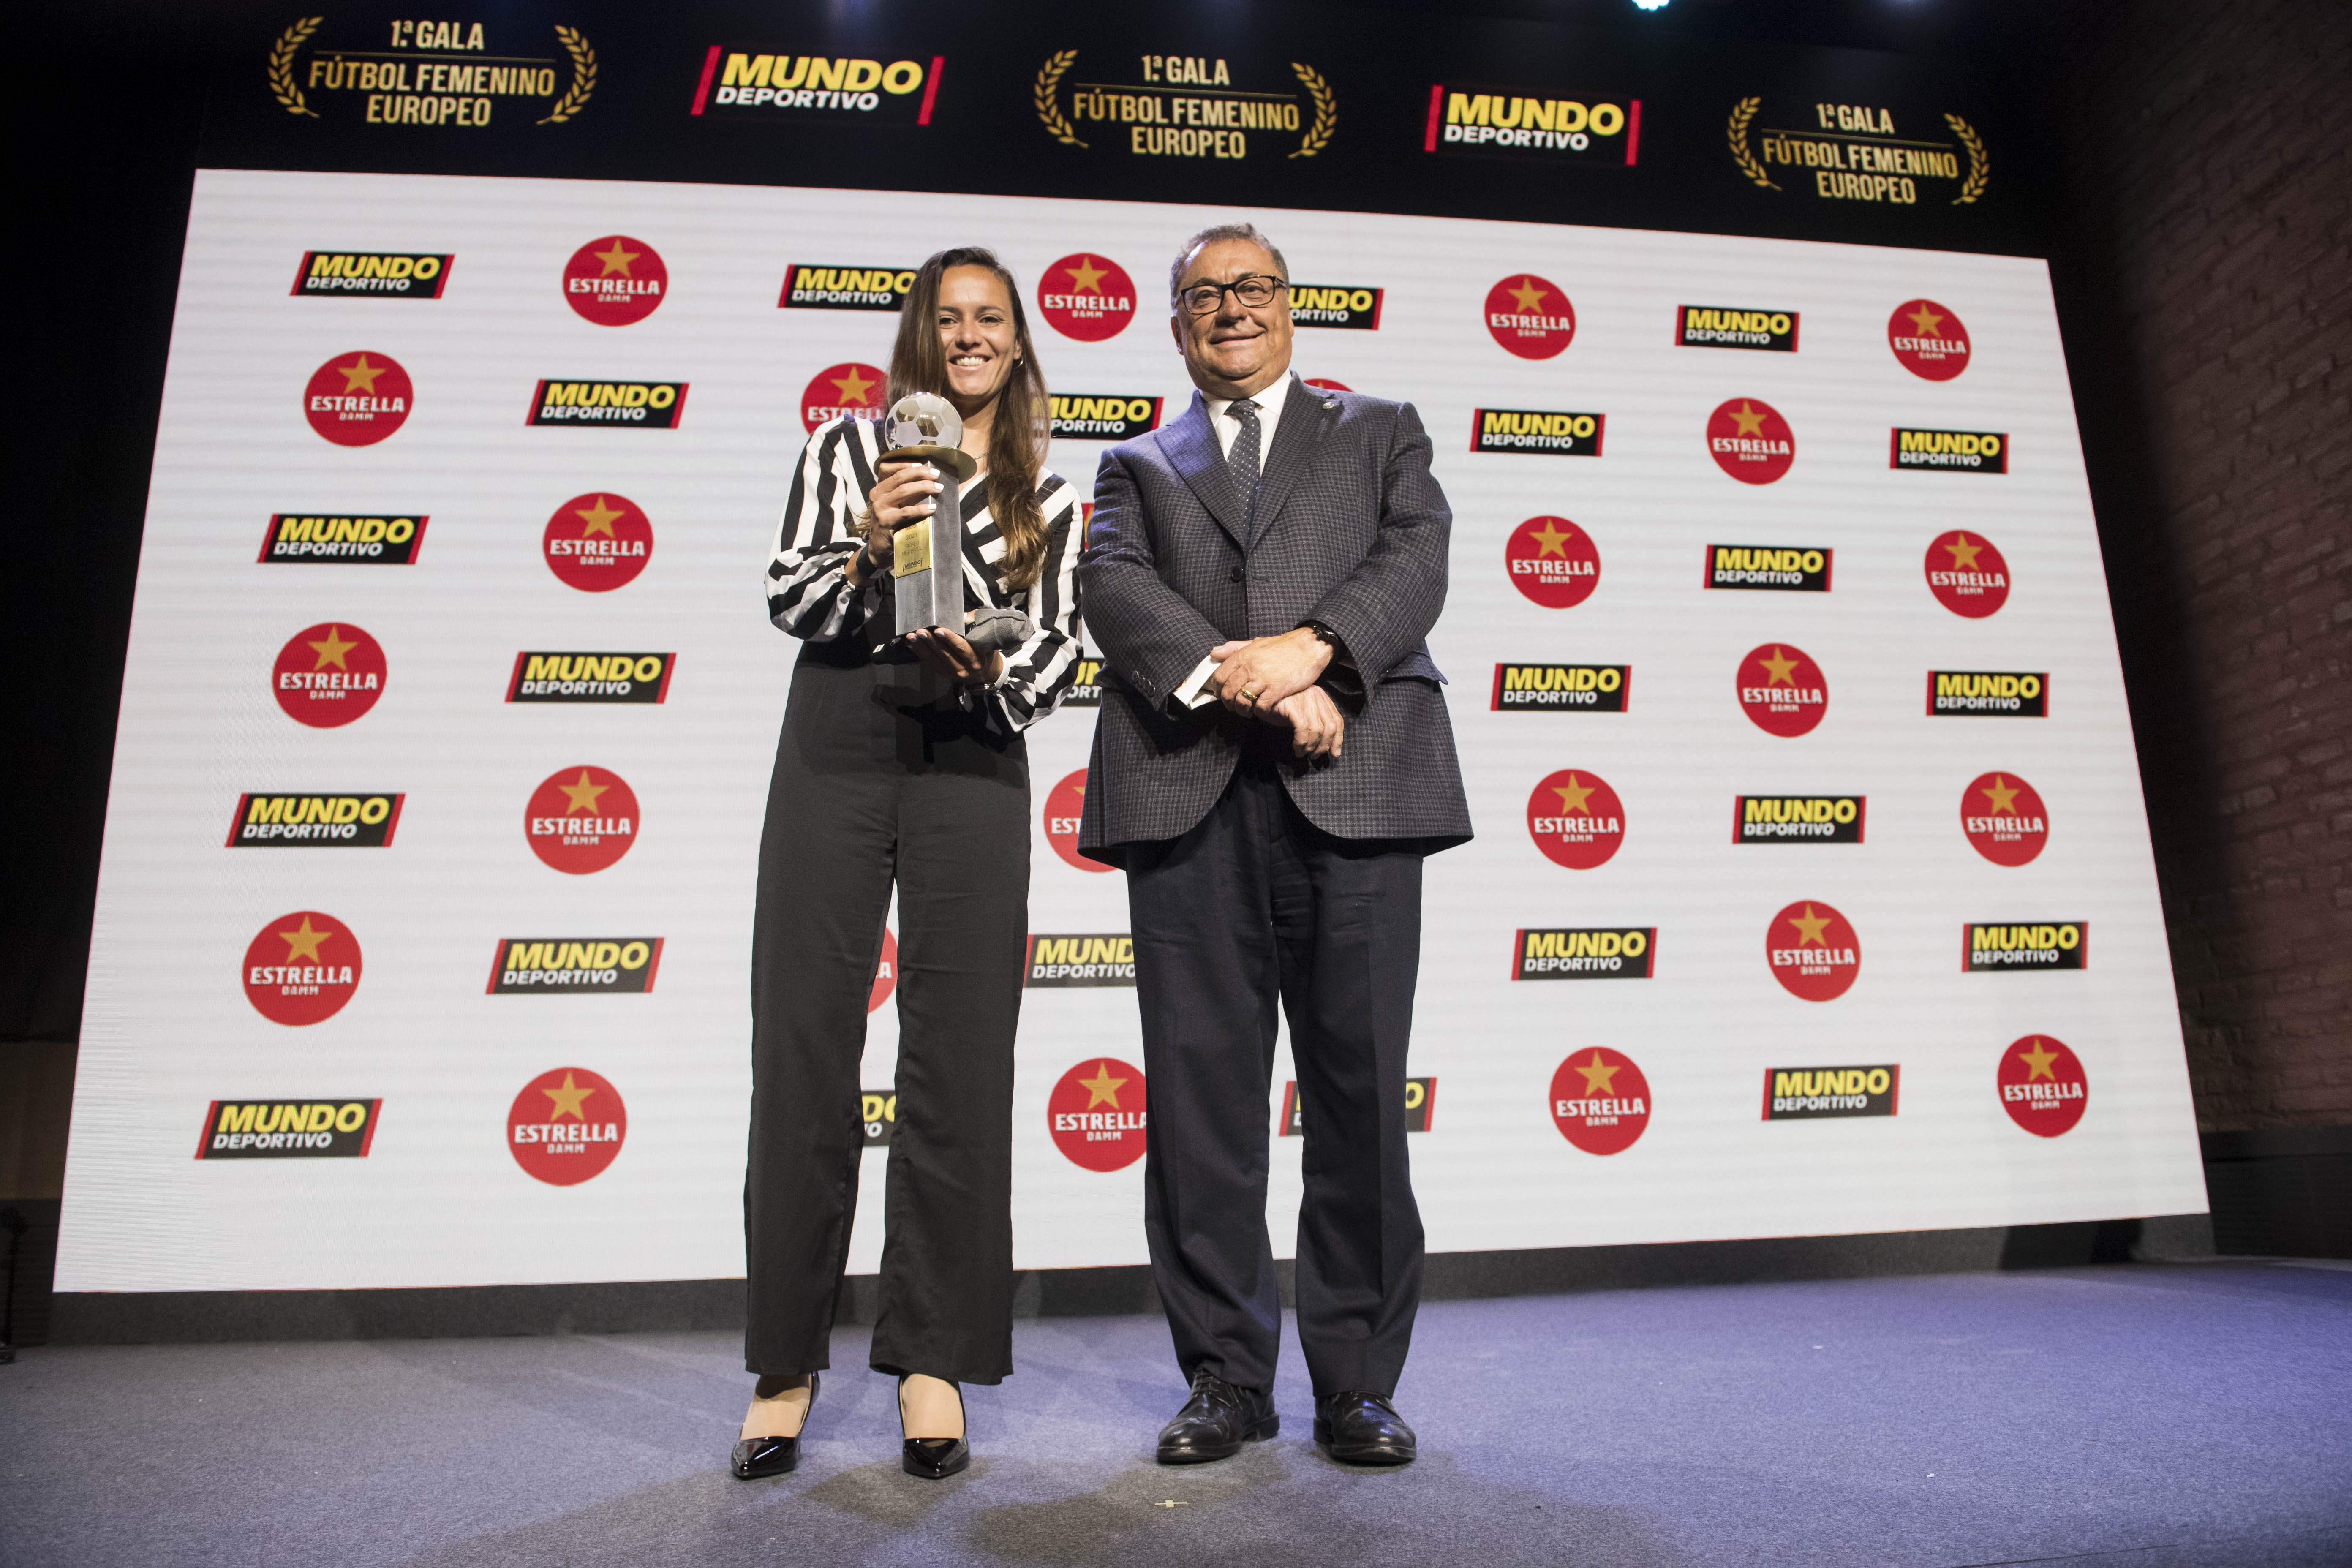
926, 555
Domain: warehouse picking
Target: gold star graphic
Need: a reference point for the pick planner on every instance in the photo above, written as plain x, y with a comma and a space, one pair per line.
1529, 297
1551, 539
2037, 1062
853, 387
617, 259
584, 794
1102, 1089
360, 377
568, 1100
1929, 324
1780, 666
1086, 276
304, 943
1599, 1075
1573, 797
1964, 554
598, 518
1810, 926
2003, 795
1750, 422
333, 650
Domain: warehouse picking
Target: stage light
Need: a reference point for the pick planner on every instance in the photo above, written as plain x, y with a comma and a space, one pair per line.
1650, 4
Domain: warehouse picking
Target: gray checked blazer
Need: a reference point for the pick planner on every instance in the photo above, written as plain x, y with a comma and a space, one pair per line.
1350, 530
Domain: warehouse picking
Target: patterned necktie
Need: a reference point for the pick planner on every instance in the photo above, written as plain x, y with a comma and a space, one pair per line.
1243, 461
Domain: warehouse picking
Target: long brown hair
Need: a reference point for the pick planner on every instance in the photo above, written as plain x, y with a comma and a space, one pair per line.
1016, 441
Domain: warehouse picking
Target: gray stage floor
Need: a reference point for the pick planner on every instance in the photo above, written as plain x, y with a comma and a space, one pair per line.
2149, 1415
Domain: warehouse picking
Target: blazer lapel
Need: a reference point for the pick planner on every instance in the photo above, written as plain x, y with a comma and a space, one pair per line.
1192, 447
1306, 417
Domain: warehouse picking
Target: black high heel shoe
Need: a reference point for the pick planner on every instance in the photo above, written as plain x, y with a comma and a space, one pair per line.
933, 1459
757, 1456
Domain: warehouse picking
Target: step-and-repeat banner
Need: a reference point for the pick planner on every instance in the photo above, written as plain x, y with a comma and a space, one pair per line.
1778, 646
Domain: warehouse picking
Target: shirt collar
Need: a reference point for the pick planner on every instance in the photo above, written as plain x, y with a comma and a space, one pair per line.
1269, 402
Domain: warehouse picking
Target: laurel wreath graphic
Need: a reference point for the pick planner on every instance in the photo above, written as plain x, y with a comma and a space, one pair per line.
1743, 115
1049, 85
282, 85
583, 76
1980, 162
1327, 111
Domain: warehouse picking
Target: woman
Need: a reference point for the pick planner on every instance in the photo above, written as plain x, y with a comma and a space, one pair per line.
935, 798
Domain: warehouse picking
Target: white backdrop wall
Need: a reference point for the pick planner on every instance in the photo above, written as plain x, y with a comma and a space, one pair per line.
439, 1199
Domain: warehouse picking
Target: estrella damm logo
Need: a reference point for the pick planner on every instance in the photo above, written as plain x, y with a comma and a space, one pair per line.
1336, 305
1855, 152
614, 282
1066, 807
638, 404
1055, 962
1751, 442
877, 1110
1968, 576
1788, 568
288, 1129
301, 968
1782, 689
1419, 1106
1086, 683
1090, 416
1805, 1094
1556, 434
1562, 687
1530, 316
819, 287
1964, 451
1813, 951
1602, 953
1927, 340
358, 399
1188, 106
1730, 327
325, 679
597, 542
885, 972
309, 538
1797, 819
1601, 1103
845, 390
580, 825
1096, 1114
591, 677
564, 1133
315, 821
434, 73
1552, 561
565, 965
2012, 947
1086, 297
2004, 818
1576, 819
818, 87
2043, 1086
329, 273
1572, 130
2001, 694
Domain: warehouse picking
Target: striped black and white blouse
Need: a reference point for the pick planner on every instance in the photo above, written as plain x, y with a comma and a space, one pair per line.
809, 594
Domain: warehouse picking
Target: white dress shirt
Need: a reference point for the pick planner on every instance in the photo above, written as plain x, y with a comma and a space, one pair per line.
1194, 693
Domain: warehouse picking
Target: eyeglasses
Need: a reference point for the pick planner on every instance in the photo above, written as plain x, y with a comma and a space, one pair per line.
1254, 290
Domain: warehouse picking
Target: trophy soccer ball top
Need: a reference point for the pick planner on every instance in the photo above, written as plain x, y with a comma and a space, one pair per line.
925, 419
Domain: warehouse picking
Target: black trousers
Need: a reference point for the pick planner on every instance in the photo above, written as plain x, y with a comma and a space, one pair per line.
1253, 905
862, 796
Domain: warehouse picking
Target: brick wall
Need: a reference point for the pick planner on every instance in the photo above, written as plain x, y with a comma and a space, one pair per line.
2207, 164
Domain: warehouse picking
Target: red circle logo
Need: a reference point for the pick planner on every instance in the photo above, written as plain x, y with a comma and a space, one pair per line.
1530, 316
1576, 820
614, 281
1750, 441
2004, 818
582, 819
847, 389
1326, 384
1967, 574
567, 1126
885, 972
329, 675
1552, 561
1782, 690
2043, 1086
301, 968
1600, 1100
1095, 1114
358, 399
598, 542
1088, 298
1927, 340
1814, 951
1063, 803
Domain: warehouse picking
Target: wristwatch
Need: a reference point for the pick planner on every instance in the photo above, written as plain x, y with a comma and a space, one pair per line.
1325, 635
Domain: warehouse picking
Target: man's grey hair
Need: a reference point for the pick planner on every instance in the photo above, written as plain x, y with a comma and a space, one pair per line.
1210, 235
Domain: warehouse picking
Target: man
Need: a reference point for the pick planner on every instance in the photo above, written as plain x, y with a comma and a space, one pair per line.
1272, 761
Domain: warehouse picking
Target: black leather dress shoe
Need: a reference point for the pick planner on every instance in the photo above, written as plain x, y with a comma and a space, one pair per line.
932, 1459
1216, 1421
1360, 1428
757, 1456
